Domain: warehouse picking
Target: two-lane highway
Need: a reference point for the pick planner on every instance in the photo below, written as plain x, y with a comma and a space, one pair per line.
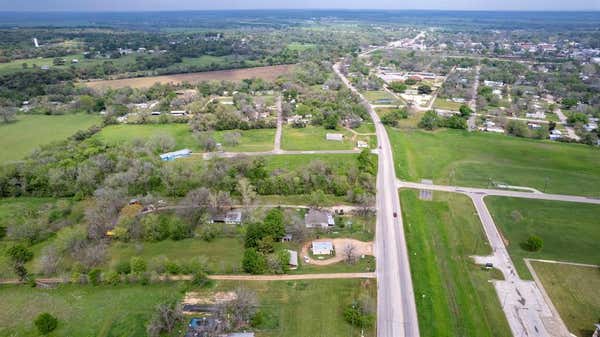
396, 308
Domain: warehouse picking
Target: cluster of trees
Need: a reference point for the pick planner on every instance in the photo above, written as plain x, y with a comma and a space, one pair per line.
431, 120
394, 116
520, 129
261, 255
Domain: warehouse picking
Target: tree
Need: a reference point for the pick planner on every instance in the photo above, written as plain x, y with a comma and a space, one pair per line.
161, 143
254, 233
7, 114
424, 89
274, 224
357, 315
410, 81
331, 121
45, 323
429, 121
231, 138
366, 162
349, 253
577, 117
317, 199
242, 308
397, 86
517, 128
533, 243
19, 255
465, 111
569, 102
247, 191
253, 262
166, 318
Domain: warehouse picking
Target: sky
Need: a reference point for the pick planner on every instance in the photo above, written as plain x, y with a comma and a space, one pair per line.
164, 5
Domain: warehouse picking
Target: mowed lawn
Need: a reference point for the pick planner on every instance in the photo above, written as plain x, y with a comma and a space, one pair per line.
249, 141
312, 138
375, 96
571, 231
83, 311
475, 159
574, 292
28, 132
223, 255
256, 140
290, 162
310, 307
442, 103
123, 133
453, 295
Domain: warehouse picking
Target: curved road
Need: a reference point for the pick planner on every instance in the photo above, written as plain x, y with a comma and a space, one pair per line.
396, 308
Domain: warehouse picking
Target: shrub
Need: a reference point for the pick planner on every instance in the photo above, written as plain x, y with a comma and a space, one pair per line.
533, 243
123, 267
155, 227
112, 278
172, 268
45, 323
356, 315
179, 230
200, 279
94, 276
165, 319
253, 262
138, 265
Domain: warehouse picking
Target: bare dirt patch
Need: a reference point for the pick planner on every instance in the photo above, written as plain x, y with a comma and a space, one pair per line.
361, 248
267, 73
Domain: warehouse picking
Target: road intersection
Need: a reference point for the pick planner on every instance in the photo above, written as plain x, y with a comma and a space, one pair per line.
396, 308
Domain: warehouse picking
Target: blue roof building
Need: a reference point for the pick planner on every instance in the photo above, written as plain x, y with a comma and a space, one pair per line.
175, 155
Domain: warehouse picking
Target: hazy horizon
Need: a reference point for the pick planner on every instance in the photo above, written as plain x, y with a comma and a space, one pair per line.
203, 5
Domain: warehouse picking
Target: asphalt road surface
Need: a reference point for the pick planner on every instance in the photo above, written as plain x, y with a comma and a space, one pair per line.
396, 308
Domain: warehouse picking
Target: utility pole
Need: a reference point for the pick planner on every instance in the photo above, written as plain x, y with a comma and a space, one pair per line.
545, 183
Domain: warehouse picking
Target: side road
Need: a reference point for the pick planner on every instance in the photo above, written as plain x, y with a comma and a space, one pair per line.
287, 277
496, 192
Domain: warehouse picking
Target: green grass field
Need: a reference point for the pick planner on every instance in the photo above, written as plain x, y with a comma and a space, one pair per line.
83, 310
367, 127
374, 96
473, 159
453, 295
17, 65
250, 140
442, 103
122, 133
313, 138
296, 46
28, 132
256, 140
569, 230
224, 254
291, 162
574, 292
308, 308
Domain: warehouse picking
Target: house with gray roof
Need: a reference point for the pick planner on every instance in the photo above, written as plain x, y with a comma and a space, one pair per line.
318, 219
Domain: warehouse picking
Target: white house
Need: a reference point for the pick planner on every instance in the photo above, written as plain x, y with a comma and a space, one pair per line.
334, 136
293, 263
362, 144
322, 248
555, 134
